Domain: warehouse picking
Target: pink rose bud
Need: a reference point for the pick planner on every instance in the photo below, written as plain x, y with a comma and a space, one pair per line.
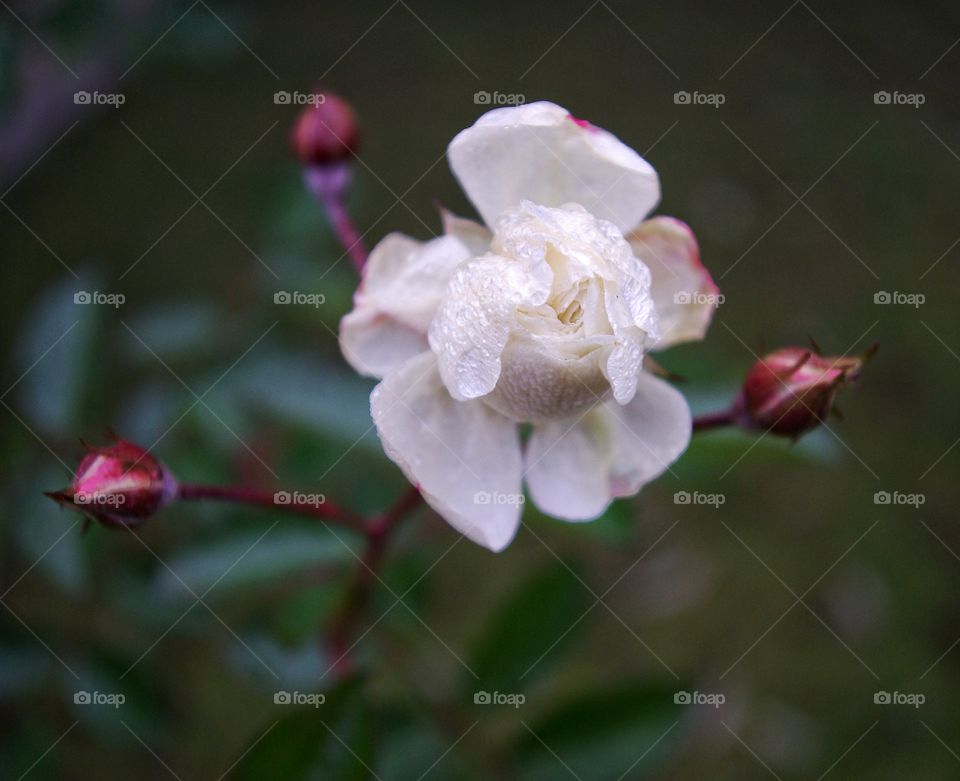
120, 485
792, 390
326, 131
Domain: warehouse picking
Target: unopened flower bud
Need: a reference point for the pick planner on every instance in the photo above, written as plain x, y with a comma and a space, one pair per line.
326, 131
120, 485
792, 390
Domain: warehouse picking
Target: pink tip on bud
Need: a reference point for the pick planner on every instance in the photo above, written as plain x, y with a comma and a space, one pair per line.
791, 390
120, 485
326, 132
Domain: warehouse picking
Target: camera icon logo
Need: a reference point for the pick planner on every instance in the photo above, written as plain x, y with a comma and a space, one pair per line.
82, 97
481, 698
681, 497
482, 97
81, 698
881, 297
682, 297
682, 698
881, 98
881, 497
282, 497
881, 698
682, 98
282, 98
81, 297
282, 297
282, 698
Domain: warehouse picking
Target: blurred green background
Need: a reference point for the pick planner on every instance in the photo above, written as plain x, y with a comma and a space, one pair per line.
798, 600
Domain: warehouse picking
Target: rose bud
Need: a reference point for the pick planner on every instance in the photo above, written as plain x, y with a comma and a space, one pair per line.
120, 485
326, 131
792, 390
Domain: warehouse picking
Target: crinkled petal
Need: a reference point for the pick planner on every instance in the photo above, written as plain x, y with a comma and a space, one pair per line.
403, 283
623, 367
473, 323
464, 457
575, 468
539, 152
546, 378
682, 289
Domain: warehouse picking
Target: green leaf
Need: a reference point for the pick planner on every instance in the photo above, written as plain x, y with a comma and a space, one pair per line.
250, 559
303, 390
52, 538
411, 745
175, 329
309, 743
298, 617
602, 735
54, 356
528, 633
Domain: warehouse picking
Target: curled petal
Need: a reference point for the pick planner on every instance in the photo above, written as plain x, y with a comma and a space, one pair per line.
683, 291
575, 468
473, 323
539, 152
544, 377
403, 283
464, 457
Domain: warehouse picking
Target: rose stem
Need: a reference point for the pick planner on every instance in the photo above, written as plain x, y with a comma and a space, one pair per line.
378, 531
327, 511
715, 420
345, 229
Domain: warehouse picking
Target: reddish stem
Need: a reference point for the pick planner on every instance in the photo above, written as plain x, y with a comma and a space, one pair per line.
325, 511
345, 229
711, 420
378, 532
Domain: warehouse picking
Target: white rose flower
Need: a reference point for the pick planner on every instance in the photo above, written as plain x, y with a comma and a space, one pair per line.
541, 319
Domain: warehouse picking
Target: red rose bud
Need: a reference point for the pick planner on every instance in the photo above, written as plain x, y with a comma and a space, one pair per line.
120, 485
326, 131
792, 390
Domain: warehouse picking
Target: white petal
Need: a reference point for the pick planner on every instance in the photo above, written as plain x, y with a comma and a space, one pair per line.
464, 457
539, 152
575, 468
474, 235
546, 378
474, 321
683, 291
403, 282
